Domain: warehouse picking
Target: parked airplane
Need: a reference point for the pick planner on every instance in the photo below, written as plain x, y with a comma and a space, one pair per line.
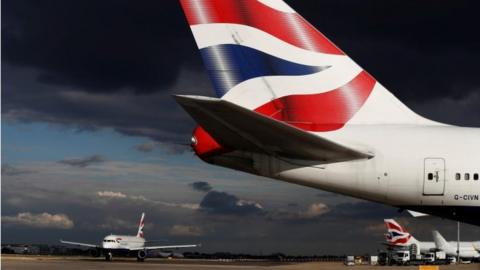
125, 244
468, 250
293, 106
397, 236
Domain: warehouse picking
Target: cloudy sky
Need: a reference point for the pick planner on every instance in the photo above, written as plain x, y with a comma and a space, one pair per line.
91, 136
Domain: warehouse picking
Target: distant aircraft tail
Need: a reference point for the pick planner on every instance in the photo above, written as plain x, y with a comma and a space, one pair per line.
140, 226
397, 235
440, 242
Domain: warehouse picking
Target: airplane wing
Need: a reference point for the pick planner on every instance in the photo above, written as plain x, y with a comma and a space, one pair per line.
79, 244
238, 128
164, 247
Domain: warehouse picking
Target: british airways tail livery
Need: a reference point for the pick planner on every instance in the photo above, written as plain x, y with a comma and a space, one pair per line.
140, 227
292, 106
397, 236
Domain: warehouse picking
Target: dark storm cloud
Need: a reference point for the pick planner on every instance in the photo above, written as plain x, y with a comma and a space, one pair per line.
363, 210
418, 52
83, 162
216, 202
127, 113
99, 46
201, 186
107, 64
114, 64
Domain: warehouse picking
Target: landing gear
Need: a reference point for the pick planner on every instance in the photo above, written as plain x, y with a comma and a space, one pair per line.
108, 256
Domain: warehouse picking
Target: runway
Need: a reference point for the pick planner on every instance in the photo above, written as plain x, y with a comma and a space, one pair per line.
10, 262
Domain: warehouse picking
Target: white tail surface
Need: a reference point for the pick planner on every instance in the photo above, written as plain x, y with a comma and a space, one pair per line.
262, 55
140, 226
440, 242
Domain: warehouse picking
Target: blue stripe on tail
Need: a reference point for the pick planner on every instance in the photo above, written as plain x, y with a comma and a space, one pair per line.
229, 65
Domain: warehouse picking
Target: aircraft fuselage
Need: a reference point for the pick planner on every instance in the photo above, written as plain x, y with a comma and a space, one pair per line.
430, 169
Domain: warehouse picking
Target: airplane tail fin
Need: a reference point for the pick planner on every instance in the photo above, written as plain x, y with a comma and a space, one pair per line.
140, 226
440, 242
262, 55
397, 235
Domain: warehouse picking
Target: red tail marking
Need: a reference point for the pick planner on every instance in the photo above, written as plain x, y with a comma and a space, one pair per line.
204, 145
321, 112
392, 226
313, 112
289, 27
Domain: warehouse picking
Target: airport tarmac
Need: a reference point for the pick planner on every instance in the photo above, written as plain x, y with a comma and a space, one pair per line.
72, 263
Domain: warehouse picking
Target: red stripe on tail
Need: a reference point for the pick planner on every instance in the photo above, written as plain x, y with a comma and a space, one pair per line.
314, 112
289, 27
322, 112
391, 226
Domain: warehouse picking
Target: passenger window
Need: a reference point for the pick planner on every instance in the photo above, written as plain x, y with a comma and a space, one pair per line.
430, 176
457, 176
475, 176
467, 176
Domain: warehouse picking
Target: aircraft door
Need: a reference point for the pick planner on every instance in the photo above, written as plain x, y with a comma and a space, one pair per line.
434, 176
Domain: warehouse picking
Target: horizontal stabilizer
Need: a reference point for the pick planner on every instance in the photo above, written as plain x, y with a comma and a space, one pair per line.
416, 214
235, 127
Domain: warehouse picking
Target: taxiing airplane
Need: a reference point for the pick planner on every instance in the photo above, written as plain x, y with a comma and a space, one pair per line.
125, 244
292, 106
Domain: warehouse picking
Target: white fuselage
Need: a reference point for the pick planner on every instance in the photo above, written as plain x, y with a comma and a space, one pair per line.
414, 167
467, 249
123, 242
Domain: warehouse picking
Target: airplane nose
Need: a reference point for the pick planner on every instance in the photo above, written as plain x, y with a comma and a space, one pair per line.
205, 145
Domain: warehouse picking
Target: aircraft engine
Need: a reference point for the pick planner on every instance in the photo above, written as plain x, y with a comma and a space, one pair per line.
141, 254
